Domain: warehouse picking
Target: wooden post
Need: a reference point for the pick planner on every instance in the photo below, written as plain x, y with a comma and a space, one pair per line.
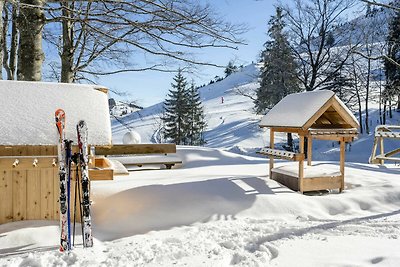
382, 150
301, 163
271, 145
342, 159
309, 150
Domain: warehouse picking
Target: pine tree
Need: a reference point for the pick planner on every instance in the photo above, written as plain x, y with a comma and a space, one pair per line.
392, 72
196, 118
278, 74
176, 110
231, 68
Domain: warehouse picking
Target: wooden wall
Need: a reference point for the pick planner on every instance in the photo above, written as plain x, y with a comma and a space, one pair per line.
28, 192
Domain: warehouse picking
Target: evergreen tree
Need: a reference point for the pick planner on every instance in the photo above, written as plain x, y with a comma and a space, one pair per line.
231, 68
392, 72
196, 118
176, 110
278, 74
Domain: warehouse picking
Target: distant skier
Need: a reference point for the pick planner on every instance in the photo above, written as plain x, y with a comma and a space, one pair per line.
222, 99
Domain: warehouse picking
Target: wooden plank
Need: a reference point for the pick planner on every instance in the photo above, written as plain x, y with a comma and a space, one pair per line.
96, 175
301, 164
387, 158
309, 184
47, 194
344, 114
33, 203
318, 114
393, 152
288, 130
25, 162
309, 150
372, 158
322, 183
342, 160
6, 191
382, 150
333, 137
272, 146
19, 195
388, 135
136, 149
283, 154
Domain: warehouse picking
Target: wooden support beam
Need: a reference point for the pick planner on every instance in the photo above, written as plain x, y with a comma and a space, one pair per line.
136, 149
301, 164
309, 150
342, 160
381, 161
271, 145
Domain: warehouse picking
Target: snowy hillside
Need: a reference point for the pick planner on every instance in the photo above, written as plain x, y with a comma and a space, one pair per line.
233, 124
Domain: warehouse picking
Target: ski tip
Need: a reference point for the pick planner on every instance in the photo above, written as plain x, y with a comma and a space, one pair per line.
59, 114
81, 123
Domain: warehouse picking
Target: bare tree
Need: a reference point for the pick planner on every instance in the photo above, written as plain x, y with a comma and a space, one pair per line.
107, 37
10, 45
316, 38
31, 20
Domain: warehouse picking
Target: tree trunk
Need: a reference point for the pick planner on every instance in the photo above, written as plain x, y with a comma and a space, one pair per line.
384, 111
290, 141
13, 43
2, 37
30, 55
67, 56
366, 123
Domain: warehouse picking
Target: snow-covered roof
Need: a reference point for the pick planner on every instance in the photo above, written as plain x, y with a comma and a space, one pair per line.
27, 112
299, 110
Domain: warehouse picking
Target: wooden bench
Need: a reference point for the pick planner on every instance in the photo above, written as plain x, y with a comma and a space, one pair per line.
142, 154
383, 132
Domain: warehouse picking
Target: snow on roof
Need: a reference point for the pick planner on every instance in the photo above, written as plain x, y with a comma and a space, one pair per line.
27, 112
296, 109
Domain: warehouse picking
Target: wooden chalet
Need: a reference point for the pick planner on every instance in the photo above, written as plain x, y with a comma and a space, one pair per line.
312, 115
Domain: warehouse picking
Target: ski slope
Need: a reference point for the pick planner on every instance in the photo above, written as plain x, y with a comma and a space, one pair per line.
233, 124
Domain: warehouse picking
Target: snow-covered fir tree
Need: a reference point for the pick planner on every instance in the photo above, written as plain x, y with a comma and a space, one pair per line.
183, 118
278, 74
196, 118
392, 71
176, 111
230, 68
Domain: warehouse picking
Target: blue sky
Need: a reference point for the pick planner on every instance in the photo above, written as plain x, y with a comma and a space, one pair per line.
148, 88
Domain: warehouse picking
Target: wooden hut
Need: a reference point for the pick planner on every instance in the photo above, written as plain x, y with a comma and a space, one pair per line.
29, 181
312, 115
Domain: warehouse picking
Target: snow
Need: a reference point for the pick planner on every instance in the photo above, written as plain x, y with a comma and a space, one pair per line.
315, 170
221, 209
30, 106
296, 109
131, 137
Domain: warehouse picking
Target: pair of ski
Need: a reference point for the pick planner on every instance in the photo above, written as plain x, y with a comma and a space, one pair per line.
64, 161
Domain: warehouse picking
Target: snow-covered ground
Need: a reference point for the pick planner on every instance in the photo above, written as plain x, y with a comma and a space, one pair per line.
220, 209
